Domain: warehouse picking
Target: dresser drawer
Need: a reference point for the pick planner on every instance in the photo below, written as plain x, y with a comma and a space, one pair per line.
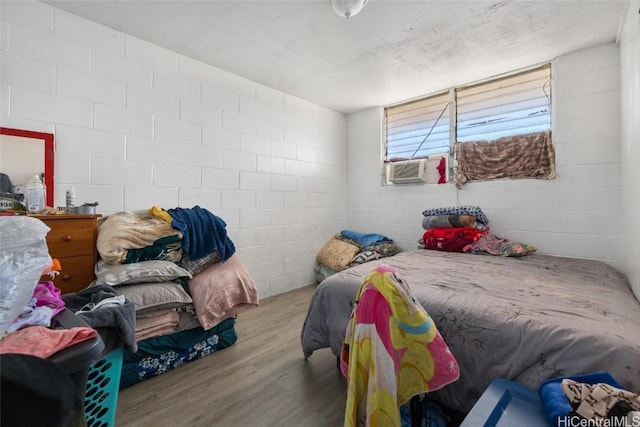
76, 274
71, 237
72, 241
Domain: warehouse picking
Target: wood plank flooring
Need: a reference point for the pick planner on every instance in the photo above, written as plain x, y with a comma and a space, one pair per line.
260, 381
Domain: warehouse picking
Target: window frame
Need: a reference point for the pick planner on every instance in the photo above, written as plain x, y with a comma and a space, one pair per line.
404, 110
453, 111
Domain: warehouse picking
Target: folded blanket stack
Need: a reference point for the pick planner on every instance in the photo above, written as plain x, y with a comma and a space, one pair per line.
168, 264
349, 248
465, 229
179, 269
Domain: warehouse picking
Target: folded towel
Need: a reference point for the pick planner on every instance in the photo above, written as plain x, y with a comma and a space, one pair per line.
365, 239
41, 341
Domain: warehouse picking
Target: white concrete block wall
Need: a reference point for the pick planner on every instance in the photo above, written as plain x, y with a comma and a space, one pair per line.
630, 142
577, 214
137, 125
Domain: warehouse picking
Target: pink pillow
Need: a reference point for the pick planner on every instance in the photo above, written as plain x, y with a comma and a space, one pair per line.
221, 291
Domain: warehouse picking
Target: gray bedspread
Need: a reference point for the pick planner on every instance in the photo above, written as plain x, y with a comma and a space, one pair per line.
525, 319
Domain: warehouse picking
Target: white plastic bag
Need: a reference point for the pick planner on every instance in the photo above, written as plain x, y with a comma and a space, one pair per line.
24, 255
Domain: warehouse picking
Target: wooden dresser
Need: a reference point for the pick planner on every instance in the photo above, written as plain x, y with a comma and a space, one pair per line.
72, 241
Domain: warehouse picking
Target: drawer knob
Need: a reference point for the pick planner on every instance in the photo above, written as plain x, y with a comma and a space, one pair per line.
67, 238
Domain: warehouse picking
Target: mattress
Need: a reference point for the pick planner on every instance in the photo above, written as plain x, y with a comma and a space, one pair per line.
161, 354
525, 319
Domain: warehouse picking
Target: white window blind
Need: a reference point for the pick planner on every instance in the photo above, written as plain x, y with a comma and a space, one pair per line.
418, 128
512, 105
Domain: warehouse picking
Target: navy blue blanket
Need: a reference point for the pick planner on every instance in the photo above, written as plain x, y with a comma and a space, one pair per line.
202, 233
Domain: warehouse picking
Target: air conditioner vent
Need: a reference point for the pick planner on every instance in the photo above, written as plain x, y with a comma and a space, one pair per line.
415, 171
410, 172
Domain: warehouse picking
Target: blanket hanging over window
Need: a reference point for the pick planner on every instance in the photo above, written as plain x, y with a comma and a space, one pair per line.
519, 156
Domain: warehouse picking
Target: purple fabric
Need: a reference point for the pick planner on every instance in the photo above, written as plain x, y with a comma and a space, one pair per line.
47, 294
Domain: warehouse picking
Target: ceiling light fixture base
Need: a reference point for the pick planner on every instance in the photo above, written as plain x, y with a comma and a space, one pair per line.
347, 8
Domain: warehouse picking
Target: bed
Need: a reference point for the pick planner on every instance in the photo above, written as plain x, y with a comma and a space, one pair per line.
526, 319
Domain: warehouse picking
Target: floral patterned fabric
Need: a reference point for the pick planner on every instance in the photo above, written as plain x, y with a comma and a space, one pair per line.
158, 355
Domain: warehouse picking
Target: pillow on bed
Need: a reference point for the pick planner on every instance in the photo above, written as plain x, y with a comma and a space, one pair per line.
155, 297
449, 221
337, 254
138, 272
475, 211
221, 291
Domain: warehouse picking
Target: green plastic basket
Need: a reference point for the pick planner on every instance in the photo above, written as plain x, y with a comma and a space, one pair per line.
101, 396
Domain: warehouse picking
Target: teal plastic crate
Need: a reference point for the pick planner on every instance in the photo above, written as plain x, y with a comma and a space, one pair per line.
101, 396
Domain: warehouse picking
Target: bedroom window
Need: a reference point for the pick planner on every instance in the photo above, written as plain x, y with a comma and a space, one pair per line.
513, 105
485, 126
417, 129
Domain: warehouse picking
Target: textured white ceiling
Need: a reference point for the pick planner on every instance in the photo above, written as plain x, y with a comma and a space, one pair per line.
391, 51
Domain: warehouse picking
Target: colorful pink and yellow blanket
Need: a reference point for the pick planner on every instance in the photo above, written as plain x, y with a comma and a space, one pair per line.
392, 351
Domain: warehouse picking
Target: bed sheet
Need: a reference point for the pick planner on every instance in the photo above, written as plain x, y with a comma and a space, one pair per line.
525, 319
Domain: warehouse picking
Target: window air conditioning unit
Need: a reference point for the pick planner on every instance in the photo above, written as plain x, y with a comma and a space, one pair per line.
409, 172
417, 171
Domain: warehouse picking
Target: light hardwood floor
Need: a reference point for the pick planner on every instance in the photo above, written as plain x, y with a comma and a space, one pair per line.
262, 380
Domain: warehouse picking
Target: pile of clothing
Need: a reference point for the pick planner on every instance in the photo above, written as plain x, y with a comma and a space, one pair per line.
180, 270
349, 248
169, 263
32, 332
465, 229
30, 377
589, 399
176, 235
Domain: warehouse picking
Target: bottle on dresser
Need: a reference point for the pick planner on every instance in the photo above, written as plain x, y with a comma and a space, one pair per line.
36, 195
